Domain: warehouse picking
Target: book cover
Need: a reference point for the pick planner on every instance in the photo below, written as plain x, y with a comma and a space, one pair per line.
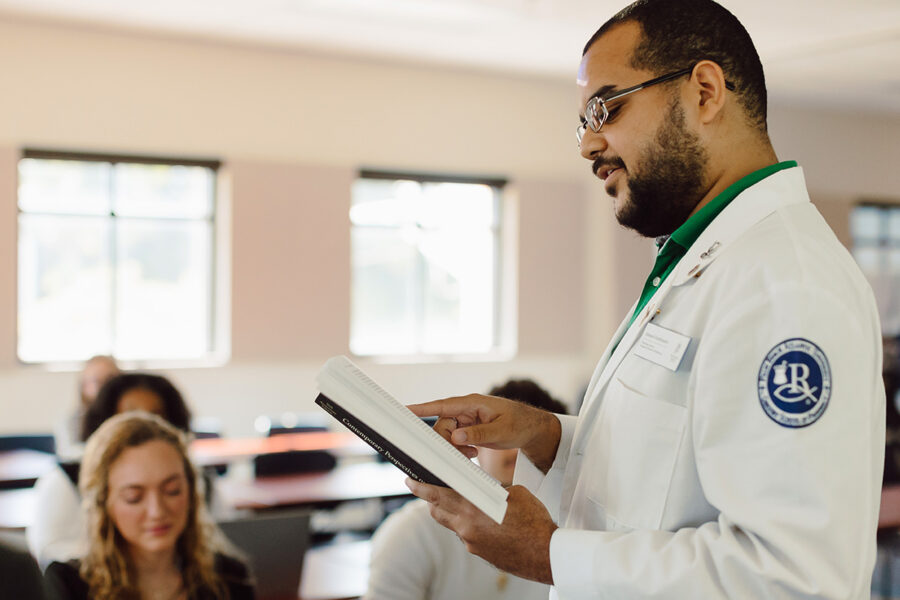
398, 458
376, 417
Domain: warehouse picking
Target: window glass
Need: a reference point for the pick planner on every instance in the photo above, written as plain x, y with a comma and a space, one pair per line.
115, 257
170, 191
425, 267
65, 283
384, 292
70, 187
876, 248
459, 291
893, 227
163, 289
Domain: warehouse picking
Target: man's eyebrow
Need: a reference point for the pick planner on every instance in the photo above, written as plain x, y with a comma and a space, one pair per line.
604, 91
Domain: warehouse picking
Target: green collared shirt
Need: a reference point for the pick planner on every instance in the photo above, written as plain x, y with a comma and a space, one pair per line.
682, 238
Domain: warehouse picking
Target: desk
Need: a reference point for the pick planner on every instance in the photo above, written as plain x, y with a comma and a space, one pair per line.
350, 482
215, 451
336, 572
21, 468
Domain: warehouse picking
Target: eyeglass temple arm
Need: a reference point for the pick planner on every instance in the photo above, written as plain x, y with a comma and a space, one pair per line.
728, 85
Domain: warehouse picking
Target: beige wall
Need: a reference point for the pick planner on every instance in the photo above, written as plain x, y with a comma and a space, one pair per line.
82, 88
8, 235
292, 130
846, 156
291, 258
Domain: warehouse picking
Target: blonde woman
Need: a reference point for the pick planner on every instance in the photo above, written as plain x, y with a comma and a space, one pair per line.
149, 535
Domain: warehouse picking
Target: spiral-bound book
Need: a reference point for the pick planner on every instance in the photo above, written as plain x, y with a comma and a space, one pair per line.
366, 409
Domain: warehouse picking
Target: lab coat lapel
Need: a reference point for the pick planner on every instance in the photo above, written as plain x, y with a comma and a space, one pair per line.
607, 354
614, 355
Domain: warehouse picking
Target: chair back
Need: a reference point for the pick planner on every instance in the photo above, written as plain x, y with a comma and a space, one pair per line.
42, 442
294, 461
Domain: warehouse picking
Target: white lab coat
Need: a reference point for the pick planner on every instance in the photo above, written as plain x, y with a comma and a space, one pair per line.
678, 484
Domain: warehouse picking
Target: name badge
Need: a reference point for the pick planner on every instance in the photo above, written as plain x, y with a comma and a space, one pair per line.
662, 346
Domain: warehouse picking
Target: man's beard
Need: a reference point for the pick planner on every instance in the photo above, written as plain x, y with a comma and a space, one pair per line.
668, 181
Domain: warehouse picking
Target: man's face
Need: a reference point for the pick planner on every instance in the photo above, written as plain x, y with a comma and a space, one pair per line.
652, 164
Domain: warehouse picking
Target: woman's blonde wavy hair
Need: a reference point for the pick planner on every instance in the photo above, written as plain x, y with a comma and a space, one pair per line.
107, 568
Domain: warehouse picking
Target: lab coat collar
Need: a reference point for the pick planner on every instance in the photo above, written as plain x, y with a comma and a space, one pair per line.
777, 191
751, 206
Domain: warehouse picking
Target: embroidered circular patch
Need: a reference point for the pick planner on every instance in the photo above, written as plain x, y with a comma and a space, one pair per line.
794, 383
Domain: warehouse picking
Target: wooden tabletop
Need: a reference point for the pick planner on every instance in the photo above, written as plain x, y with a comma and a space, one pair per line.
214, 451
349, 482
21, 468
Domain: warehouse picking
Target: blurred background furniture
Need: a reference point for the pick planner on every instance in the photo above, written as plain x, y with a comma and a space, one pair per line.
293, 461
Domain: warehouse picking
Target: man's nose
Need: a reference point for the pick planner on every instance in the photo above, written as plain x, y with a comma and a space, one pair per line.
592, 144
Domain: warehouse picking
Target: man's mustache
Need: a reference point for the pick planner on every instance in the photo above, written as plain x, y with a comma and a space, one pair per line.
603, 163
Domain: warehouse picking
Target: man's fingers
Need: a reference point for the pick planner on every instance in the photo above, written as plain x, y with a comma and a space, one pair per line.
445, 426
447, 499
466, 409
427, 409
443, 517
447, 507
433, 494
486, 435
426, 492
475, 420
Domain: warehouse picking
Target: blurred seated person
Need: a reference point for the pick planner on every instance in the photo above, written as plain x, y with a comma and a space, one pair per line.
149, 535
58, 529
20, 576
415, 558
96, 371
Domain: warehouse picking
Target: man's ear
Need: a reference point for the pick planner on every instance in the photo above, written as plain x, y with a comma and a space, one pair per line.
709, 81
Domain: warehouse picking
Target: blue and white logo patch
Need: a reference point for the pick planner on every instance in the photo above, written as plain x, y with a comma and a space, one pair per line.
794, 383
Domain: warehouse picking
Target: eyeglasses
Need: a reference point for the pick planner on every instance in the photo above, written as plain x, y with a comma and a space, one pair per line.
596, 112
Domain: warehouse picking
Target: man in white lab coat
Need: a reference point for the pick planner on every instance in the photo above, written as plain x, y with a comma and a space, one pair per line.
731, 440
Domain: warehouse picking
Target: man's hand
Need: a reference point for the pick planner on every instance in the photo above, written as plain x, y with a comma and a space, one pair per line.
520, 545
477, 420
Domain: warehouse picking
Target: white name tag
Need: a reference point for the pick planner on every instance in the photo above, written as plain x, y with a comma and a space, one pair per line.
662, 346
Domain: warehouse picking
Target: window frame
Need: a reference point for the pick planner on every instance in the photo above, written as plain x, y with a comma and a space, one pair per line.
882, 243
504, 280
218, 336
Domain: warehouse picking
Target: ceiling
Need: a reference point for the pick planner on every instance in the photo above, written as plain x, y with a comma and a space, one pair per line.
831, 53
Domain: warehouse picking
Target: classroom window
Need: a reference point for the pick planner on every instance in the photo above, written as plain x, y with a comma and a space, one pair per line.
425, 265
875, 229
116, 255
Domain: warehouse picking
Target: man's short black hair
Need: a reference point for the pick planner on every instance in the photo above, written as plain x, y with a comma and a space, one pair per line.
528, 392
679, 33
